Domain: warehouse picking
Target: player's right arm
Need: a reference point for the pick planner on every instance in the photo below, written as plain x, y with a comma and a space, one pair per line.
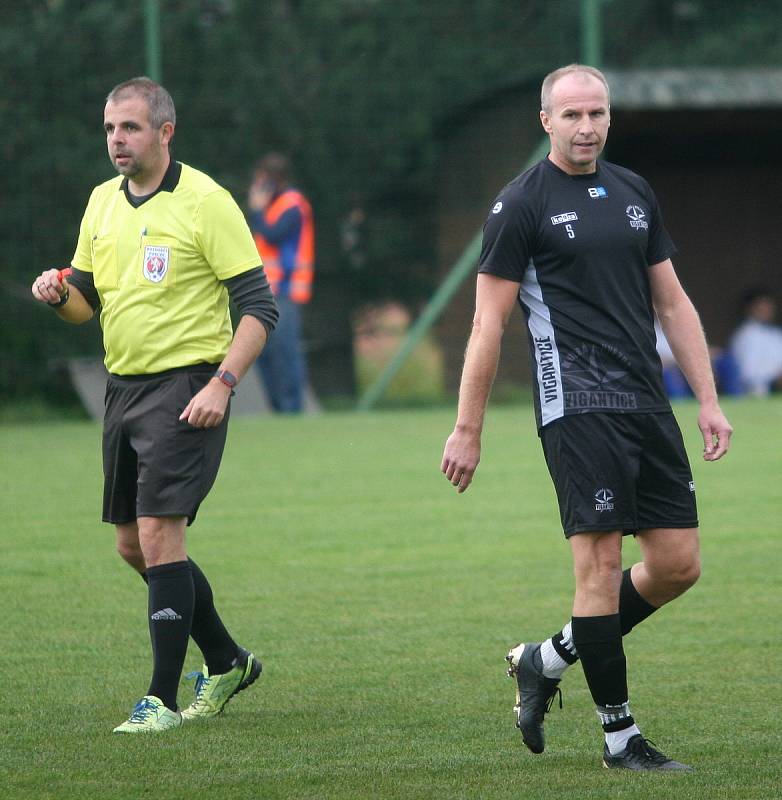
49, 288
494, 301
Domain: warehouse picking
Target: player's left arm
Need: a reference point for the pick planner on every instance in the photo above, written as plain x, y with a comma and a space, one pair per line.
258, 315
682, 327
206, 409
227, 245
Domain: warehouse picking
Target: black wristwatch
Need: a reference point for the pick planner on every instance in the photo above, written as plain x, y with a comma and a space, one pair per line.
226, 377
63, 299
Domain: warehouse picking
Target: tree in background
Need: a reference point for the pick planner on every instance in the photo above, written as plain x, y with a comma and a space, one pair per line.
356, 92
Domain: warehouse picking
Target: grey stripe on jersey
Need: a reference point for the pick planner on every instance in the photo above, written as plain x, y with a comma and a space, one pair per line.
552, 404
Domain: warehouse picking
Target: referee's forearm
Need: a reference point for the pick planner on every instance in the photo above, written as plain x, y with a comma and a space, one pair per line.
248, 342
76, 310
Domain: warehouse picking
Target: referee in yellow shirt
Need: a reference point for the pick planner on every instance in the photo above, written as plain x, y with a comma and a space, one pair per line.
161, 249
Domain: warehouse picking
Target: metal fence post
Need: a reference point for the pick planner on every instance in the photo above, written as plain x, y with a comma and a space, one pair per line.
460, 270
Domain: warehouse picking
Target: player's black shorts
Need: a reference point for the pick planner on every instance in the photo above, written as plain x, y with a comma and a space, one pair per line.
153, 464
625, 472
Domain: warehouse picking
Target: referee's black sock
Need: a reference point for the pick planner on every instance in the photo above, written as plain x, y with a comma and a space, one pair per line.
171, 601
632, 607
208, 631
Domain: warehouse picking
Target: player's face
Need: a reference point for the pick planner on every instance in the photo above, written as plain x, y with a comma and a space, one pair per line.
136, 149
577, 122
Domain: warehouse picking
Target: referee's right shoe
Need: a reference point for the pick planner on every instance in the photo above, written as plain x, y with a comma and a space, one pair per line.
535, 693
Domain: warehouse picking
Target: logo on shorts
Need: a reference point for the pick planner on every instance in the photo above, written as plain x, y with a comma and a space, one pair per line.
497, 207
692, 486
155, 262
604, 499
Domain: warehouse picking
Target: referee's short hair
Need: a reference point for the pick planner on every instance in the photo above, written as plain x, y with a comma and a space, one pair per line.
159, 102
553, 77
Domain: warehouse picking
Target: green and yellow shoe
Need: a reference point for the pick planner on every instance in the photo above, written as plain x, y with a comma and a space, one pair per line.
150, 716
212, 692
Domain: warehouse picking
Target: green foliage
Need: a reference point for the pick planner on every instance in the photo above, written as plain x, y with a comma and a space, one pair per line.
357, 92
381, 604
692, 33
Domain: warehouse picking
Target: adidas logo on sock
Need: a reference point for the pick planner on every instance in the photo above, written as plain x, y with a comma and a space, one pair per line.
166, 613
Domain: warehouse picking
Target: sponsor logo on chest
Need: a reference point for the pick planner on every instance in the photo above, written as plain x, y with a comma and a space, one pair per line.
156, 259
568, 216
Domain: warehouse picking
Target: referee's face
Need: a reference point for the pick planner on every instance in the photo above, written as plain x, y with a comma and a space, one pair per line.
136, 149
577, 122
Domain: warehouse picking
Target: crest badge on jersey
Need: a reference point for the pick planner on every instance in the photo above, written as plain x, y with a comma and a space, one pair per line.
156, 259
637, 217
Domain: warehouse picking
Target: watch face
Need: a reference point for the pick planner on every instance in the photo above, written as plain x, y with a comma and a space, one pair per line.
228, 378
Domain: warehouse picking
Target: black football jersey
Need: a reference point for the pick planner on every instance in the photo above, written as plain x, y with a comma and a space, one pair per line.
580, 246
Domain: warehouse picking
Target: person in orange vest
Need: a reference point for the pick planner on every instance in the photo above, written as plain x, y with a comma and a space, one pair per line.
281, 223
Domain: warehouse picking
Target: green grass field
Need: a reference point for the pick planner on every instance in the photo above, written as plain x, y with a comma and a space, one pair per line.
382, 605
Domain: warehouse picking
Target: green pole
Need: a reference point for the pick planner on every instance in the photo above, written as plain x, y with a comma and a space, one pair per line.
592, 54
152, 35
591, 33
460, 270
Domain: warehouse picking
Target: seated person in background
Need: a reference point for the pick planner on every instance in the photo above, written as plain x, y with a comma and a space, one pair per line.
757, 344
675, 383
726, 372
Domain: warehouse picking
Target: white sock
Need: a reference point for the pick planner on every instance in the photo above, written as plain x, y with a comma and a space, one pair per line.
554, 665
617, 740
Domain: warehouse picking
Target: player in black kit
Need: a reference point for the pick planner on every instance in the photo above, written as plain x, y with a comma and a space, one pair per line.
581, 245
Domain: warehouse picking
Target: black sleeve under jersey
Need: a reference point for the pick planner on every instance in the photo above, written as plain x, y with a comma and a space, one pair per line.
253, 297
83, 281
508, 236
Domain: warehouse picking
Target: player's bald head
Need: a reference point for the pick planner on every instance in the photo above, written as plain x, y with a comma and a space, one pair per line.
575, 70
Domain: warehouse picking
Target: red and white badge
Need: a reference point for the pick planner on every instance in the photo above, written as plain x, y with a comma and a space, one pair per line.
155, 262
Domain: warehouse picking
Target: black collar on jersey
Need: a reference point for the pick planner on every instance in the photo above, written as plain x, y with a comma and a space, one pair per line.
578, 176
168, 184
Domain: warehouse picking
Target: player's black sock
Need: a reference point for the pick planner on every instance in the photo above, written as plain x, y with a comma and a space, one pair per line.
632, 607
560, 651
598, 641
208, 631
171, 600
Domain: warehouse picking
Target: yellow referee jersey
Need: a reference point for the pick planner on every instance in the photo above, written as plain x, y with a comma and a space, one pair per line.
158, 270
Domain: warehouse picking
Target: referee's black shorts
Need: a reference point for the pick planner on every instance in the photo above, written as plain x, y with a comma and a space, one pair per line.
153, 464
625, 472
